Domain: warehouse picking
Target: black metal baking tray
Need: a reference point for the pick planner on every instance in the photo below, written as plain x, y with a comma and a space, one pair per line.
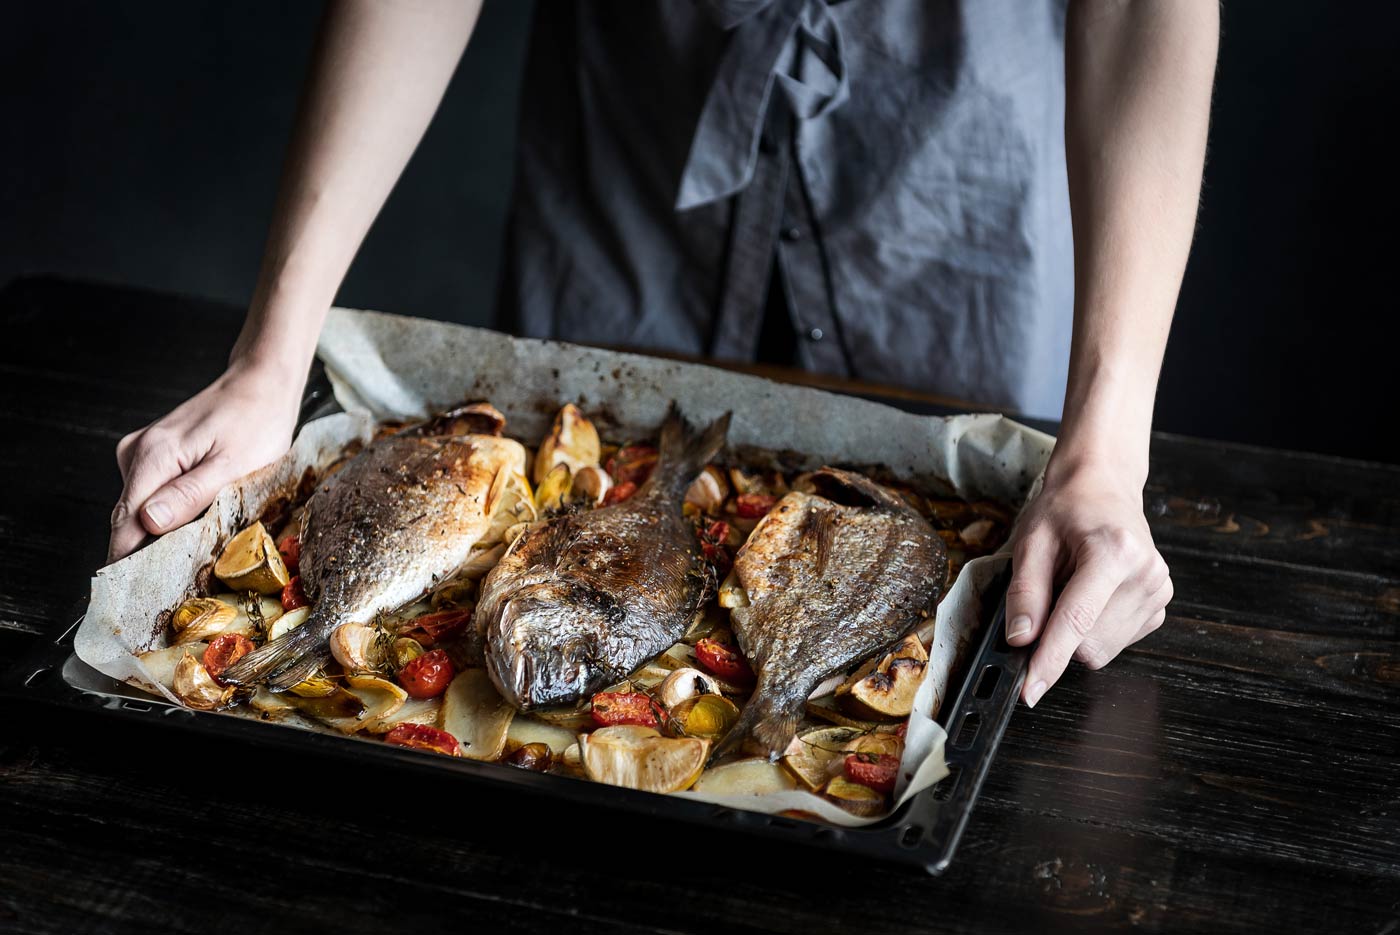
923, 832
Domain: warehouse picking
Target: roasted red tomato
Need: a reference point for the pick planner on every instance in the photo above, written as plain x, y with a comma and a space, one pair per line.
423, 737
876, 770
427, 676
632, 464
754, 505
431, 629
290, 550
293, 595
619, 492
611, 708
712, 536
223, 651
723, 660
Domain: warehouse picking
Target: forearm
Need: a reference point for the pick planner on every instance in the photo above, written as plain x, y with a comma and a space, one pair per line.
377, 76
1138, 83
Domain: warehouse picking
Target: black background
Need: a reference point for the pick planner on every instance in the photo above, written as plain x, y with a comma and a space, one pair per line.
143, 143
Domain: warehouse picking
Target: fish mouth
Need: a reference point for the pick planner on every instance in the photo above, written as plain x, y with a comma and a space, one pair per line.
533, 658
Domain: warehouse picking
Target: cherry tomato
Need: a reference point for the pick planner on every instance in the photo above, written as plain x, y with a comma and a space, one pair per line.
723, 660
712, 537
876, 770
423, 737
290, 550
611, 708
632, 464
754, 505
294, 595
431, 629
427, 676
619, 492
223, 651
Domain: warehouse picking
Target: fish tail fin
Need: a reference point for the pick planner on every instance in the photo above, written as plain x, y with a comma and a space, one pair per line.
281, 655
769, 720
683, 452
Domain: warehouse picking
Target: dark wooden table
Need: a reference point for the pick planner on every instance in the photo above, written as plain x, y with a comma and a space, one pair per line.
1239, 771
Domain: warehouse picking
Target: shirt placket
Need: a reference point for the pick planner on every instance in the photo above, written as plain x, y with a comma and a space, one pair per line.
802, 266
758, 216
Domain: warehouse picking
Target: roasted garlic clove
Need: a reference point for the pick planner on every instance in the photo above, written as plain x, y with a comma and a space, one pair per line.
590, 485
196, 688
708, 491
200, 618
684, 684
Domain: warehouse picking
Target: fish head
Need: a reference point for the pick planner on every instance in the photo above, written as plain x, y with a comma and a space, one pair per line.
544, 647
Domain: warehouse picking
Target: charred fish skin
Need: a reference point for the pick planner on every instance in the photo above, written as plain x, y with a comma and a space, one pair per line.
582, 599
401, 515
832, 578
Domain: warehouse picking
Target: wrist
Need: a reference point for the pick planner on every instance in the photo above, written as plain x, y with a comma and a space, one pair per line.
1107, 427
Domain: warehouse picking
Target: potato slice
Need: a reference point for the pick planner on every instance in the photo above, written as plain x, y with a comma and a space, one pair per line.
414, 711
382, 699
251, 562
754, 776
288, 622
476, 714
811, 755
269, 608
640, 758
824, 709
526, 730
888, 691
572, 441
855, 798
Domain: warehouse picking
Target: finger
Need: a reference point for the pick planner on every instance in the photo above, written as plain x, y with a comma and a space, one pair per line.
1032, 586
185, 496
1124, 621
152, 464
1088, 591
1151, 626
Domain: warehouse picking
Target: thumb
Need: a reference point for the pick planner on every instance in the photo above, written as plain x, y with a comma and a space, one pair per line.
186, 496
1032, 586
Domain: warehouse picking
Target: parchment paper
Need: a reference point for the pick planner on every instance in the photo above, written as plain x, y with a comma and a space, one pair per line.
391, 367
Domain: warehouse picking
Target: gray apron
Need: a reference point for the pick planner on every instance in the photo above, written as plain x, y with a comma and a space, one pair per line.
897, 164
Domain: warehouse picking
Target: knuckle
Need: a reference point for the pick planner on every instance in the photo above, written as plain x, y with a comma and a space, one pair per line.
1080, 616
1156, 620
1093, 654
121, 512
1168, 591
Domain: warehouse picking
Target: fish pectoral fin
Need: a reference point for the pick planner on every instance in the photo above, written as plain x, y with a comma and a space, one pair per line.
851, 489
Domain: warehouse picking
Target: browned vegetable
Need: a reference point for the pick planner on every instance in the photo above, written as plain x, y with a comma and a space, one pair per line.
532, 756
251, 562
201, 618
855, 798
886, 689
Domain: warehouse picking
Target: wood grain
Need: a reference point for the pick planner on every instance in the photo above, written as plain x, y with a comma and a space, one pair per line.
1236, 772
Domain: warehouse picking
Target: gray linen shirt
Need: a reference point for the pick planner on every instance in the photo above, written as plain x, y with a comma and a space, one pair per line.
899, 163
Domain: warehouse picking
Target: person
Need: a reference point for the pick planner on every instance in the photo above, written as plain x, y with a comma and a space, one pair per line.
992, 199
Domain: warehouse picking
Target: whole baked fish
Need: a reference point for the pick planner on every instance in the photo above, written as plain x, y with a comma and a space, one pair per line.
581, 600
831, 578
402, 515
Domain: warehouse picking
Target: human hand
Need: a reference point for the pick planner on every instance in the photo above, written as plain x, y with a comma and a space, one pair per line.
1085, 530
172, 468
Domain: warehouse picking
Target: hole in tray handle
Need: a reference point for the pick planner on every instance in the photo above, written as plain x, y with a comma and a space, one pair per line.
987, 683
967, 730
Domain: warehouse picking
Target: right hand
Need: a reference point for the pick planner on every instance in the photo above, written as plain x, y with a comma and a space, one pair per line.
172, 468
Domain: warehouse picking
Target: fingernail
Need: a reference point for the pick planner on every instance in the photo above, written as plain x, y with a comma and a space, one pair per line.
1019, 627
158, 513
1034, 692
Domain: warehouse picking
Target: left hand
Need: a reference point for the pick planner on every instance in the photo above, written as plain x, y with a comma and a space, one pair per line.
1085, 530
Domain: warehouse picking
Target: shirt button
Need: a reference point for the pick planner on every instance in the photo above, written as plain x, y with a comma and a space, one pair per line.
792, 233
815, 334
